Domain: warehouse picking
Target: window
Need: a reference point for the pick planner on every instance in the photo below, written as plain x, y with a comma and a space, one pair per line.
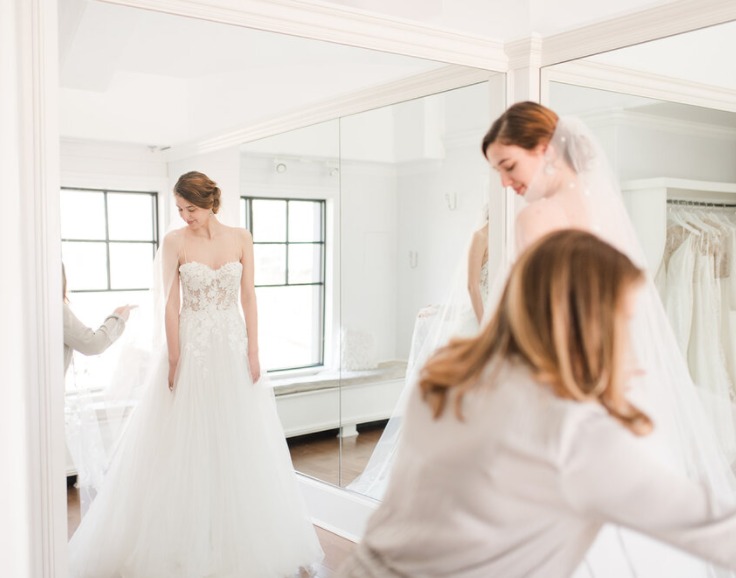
108, 241
289, 252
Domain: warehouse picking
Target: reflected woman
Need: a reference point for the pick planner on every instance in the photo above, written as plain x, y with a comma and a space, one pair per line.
202, 483
79, 337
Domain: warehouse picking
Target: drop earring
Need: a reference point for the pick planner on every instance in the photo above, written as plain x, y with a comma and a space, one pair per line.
549, 168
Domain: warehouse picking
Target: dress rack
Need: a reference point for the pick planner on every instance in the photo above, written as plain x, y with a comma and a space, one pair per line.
693, 203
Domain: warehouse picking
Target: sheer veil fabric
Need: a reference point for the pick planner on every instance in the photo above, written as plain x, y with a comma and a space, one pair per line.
684, 437
434, 326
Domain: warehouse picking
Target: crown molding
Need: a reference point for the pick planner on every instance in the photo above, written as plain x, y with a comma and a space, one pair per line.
638, 83
526, 52
432, 82
619, 118
643, 26
352, 27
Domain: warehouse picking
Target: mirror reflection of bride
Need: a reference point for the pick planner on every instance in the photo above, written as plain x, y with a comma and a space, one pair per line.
201, 483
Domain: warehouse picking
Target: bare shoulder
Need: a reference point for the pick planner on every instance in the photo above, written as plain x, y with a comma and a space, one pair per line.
173, 239
243, 235
538, 219
173, 236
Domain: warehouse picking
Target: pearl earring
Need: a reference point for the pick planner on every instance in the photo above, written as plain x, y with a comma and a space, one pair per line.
549, 168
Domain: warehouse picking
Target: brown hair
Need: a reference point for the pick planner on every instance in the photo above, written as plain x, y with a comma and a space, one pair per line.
198, 189
559, 315
524, 124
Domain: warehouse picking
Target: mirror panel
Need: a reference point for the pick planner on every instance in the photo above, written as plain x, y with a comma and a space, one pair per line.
290, 194
355, 220
665, 112
404, 188
413, 188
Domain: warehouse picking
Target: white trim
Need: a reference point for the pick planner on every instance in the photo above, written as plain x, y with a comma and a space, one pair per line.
686, 189
349, 26
680, 184
638, 83
41, 279
432, 82
673, 126
339, 511
643, 26
525, 53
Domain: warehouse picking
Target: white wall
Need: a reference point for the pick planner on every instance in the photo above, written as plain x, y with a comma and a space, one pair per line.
96, 164
397, 166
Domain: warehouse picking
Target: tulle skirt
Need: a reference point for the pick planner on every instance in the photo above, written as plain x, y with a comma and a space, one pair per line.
201, 484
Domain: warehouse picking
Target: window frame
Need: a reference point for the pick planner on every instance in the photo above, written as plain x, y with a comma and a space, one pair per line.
320, 332
155, 242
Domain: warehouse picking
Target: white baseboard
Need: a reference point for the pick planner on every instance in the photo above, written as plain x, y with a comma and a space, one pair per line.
336, 510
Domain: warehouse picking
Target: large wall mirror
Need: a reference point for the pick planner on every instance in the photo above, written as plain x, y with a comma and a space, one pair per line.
358, 211
665, 111
393, 195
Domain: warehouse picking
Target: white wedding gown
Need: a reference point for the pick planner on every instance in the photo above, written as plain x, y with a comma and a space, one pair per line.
201, 485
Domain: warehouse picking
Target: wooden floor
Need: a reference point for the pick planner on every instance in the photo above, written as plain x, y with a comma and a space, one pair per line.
319, 456
316, 455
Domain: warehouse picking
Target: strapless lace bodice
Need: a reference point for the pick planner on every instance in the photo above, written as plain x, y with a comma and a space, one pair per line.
207, 289
210, 307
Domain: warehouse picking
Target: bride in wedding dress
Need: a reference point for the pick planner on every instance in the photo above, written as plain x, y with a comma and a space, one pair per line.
201, 484
556, 165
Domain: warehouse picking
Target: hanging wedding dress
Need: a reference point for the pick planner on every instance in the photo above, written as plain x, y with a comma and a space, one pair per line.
697, 299
201, 485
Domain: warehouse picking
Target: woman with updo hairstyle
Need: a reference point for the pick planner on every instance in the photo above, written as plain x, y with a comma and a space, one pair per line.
519, 444
199, 189
201, 483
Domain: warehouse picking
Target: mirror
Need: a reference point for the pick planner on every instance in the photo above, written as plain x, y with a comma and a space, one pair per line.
397, 192
356, 211
665, 112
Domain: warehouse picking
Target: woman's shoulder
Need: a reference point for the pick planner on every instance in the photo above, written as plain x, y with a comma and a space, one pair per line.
239, 233
174, 236
543, 413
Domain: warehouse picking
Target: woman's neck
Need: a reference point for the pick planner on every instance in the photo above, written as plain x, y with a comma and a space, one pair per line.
209, 230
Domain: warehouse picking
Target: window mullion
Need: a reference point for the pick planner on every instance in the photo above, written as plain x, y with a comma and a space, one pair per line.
107, 240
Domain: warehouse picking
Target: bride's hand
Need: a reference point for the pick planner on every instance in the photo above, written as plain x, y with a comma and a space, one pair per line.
172, 374
255, 366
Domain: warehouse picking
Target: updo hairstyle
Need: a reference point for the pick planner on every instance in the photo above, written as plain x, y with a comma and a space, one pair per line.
198, 189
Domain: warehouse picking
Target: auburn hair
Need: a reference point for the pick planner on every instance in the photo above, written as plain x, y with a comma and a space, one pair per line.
560, 316
524, 124
199, 189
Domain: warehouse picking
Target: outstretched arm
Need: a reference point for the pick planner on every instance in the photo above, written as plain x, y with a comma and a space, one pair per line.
88, 342
248, 301
610, 476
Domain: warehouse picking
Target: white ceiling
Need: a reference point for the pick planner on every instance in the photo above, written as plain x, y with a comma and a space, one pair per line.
504, 20
132, 75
